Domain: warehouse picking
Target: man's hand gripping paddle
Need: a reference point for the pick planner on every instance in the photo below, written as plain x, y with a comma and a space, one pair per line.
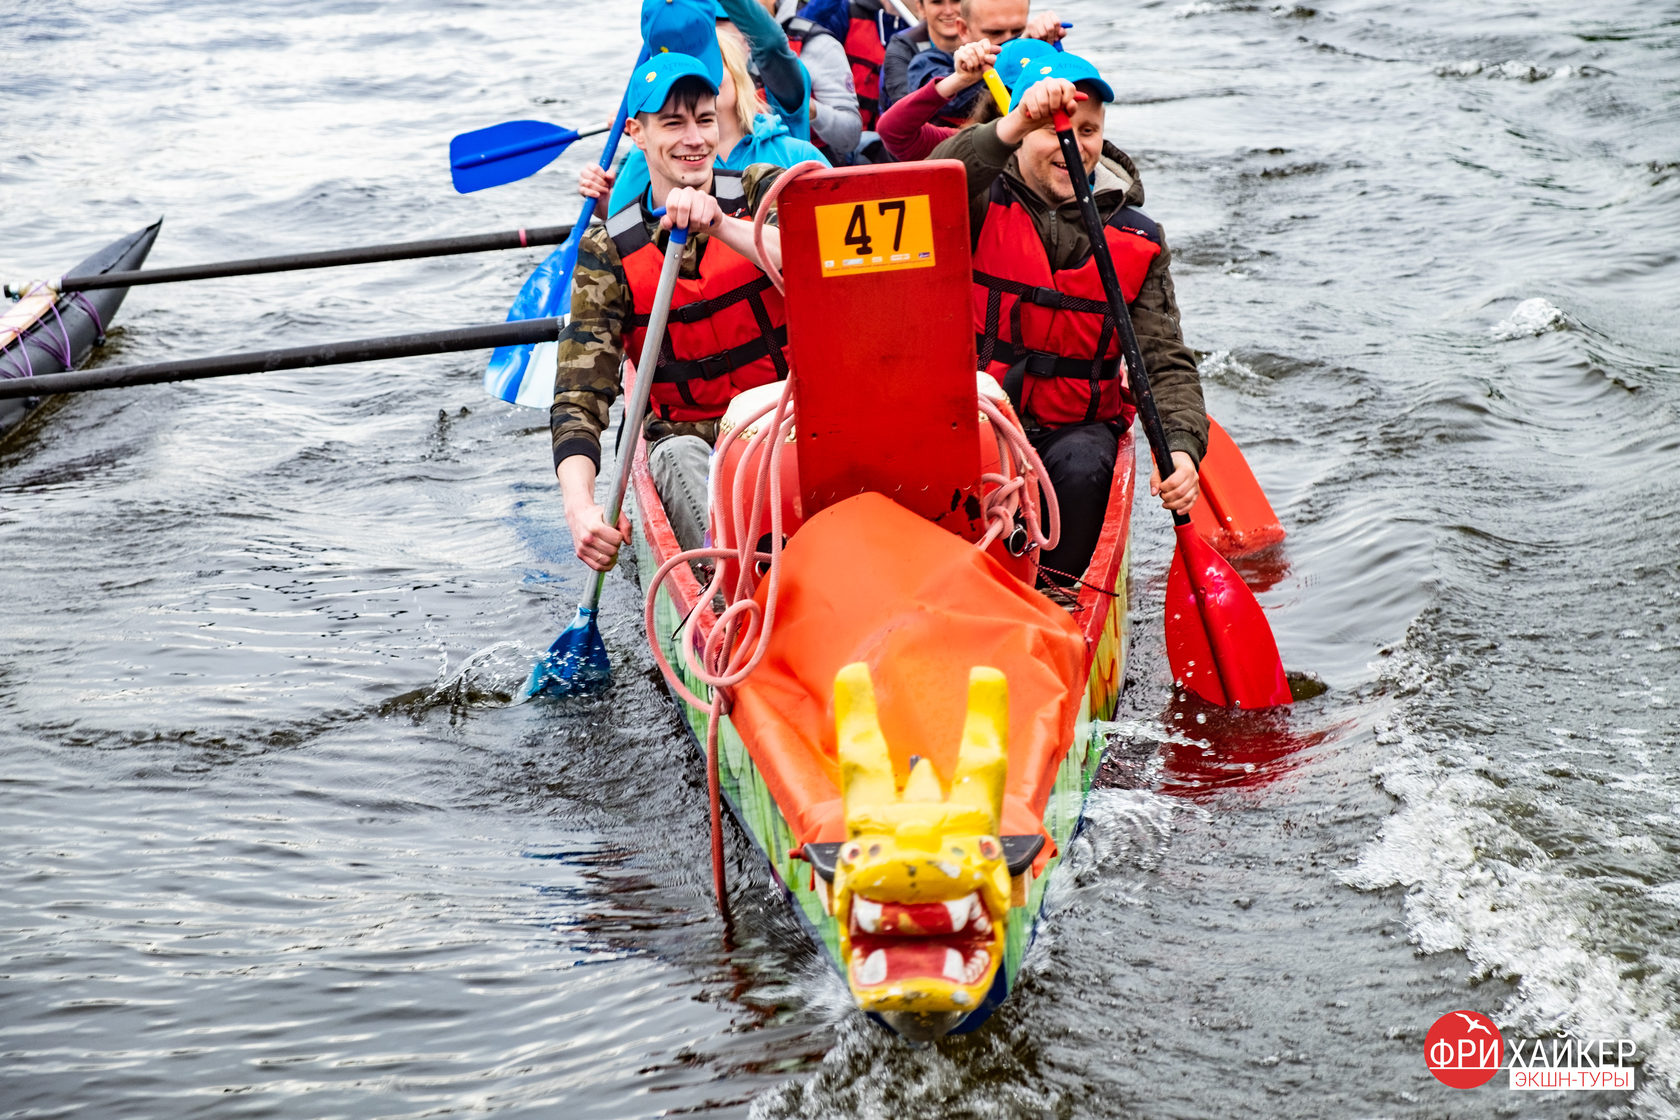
1218, 641
577, 661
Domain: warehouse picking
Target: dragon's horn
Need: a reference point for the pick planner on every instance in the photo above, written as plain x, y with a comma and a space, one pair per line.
983, 762
866, 770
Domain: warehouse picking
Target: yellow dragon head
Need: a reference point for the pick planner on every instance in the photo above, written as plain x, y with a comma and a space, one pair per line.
921, 886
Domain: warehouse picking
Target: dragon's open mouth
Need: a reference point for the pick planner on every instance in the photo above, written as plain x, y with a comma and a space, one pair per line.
895, 943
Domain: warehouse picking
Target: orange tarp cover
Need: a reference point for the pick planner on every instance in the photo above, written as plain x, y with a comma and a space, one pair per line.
867, 580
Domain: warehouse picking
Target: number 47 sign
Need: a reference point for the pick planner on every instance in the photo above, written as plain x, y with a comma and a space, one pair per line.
875, 236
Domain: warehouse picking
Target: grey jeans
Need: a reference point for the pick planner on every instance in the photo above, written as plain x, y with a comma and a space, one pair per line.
680, 466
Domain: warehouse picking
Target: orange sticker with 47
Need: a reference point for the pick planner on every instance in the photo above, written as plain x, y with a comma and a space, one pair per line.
879, 235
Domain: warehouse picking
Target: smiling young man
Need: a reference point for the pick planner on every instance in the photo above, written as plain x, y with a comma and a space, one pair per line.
1040, 312
727, 329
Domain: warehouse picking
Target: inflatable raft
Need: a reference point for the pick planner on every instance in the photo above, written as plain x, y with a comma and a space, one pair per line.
912, 747
46, 331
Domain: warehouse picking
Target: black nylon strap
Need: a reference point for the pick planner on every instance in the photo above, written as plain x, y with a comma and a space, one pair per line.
1042, 297
768, 344
1042, 363
706, 308
988, 340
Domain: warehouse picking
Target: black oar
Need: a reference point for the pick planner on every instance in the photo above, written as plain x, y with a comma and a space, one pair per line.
1218, 641
517, 333
292, 262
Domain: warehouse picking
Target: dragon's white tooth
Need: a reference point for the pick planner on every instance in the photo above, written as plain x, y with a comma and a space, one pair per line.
867, 913
978, 962
954, 966
873, 970
959, 909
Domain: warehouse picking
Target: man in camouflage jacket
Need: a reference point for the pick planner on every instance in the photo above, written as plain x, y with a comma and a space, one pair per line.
679, 137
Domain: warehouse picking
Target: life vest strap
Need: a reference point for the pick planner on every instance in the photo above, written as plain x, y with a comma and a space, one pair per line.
705, 308
1042, 363
1052, 298
767, 345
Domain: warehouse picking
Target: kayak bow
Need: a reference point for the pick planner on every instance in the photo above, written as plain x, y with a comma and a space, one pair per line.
45, 332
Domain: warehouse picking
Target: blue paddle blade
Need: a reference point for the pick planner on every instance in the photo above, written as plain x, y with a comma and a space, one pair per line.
576, 663
525, 374
504, 152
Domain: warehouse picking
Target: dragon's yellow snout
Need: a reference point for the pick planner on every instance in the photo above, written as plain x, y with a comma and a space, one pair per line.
921, 886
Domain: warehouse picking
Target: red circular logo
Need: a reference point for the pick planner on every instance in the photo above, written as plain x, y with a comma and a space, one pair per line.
1464, 1049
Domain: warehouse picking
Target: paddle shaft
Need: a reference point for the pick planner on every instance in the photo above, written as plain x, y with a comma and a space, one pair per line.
1137, 376
635, 405
516, 333
999, 91
293, 262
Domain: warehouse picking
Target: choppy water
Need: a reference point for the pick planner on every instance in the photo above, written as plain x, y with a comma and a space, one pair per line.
274, 841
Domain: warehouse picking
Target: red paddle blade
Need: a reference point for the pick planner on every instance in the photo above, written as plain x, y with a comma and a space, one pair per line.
1219, 643
1233, 514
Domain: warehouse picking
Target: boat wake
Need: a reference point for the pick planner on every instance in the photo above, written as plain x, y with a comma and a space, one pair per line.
1532, 891
1512, 70
1530, 318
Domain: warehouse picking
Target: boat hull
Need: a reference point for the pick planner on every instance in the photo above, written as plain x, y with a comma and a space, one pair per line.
1103, 617
73, 324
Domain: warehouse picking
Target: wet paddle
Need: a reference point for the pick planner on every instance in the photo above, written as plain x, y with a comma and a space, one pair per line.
1233, 515
508, 151
577, 661
1218, 641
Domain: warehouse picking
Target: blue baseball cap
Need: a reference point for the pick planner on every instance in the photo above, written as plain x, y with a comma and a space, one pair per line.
1069, 67
1014, 55
651, 84
683, 27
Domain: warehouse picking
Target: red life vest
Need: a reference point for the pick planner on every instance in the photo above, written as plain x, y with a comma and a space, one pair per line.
727, 328
866, 49
1045, 333
799, 29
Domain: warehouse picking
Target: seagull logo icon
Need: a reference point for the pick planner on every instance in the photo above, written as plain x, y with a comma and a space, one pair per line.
1471, 1024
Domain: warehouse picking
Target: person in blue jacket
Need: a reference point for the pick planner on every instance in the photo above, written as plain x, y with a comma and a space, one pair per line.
747, 134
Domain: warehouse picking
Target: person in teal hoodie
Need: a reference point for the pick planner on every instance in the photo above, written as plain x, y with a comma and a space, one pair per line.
747, 134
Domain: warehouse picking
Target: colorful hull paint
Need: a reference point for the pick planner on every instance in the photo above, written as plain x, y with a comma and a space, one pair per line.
1103, 615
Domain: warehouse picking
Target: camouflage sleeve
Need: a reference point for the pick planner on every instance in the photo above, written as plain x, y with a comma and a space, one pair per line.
591, 350
756, 181
1173, 379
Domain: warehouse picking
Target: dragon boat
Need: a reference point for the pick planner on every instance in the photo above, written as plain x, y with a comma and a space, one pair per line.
912, 744
47, 331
